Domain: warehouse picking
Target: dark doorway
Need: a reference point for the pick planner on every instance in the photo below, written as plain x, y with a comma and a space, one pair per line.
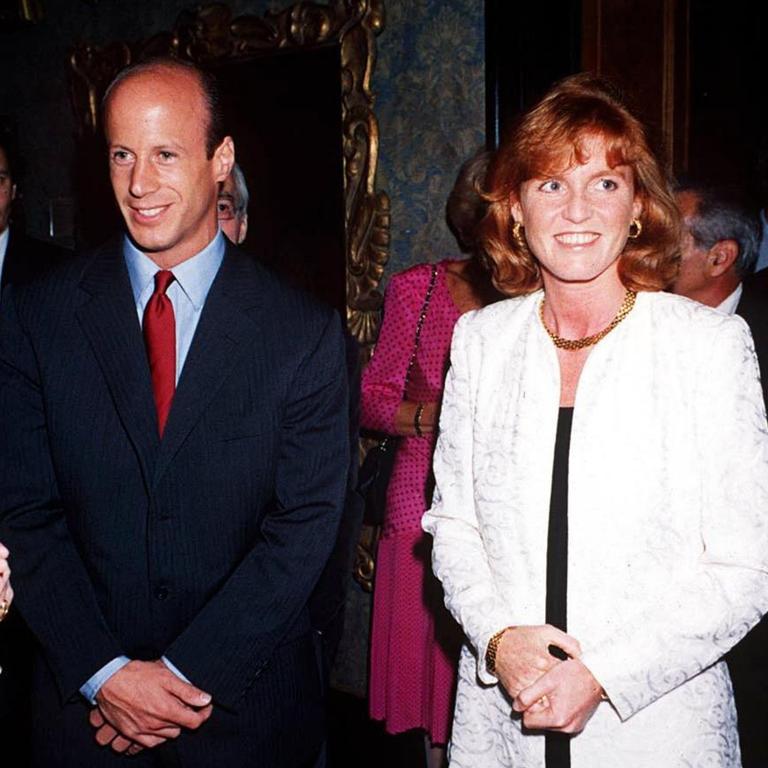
529, 46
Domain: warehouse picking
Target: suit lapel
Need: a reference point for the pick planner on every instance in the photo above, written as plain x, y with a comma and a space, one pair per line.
108, 318
221, 339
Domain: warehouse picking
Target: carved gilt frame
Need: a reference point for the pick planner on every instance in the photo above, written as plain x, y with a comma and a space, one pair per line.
209, 34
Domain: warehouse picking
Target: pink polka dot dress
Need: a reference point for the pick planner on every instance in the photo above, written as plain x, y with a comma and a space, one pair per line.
414, 642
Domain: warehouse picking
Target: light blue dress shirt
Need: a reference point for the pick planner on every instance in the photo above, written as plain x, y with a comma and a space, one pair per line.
3, 248
187, 293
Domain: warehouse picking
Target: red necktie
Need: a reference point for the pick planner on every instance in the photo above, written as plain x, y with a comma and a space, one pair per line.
160, 339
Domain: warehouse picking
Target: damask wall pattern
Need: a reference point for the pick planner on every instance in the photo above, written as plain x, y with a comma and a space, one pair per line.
430, 81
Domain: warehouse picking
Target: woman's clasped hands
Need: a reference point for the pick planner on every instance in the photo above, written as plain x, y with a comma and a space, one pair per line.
552, 694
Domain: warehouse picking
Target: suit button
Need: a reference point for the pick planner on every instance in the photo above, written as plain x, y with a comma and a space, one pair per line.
161, 593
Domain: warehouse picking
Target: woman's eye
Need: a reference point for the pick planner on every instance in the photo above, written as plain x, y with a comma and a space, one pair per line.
120, 156
550, 186
607, 184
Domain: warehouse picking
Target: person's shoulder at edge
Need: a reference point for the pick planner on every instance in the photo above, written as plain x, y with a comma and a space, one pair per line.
47, 252
44, 291
679, 310
693, 330
73, 263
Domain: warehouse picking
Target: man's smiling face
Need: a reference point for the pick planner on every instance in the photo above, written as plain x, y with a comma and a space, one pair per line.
164, 183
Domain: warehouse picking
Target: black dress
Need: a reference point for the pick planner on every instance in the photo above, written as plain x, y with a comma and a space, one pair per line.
557, 745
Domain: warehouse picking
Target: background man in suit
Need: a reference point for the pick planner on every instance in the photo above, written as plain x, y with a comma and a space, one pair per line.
171, 501
232, 206
719, 250
719, 247
21, 257
718, 254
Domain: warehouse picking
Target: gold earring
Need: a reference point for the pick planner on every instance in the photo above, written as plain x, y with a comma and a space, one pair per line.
638, 229
517, 234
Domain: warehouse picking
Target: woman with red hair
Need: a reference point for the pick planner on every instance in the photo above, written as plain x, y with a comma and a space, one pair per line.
602, 466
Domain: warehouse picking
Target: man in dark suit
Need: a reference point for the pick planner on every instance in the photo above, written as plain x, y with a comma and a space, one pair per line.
170, 501
719, 250
21, 257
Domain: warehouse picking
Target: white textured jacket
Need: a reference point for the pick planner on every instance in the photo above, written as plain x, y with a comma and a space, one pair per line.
667, 514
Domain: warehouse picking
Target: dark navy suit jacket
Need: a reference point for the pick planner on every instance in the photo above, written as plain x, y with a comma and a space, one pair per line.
26, 258
203, 547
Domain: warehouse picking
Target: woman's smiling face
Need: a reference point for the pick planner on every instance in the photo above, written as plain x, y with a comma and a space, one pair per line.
577, 220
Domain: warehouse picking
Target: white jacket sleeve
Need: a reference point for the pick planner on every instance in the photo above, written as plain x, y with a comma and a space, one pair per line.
459, 555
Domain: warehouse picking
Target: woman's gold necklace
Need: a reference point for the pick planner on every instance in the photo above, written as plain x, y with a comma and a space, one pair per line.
588, 341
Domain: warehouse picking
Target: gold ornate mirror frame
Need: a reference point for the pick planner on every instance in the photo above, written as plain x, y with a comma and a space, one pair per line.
209, 34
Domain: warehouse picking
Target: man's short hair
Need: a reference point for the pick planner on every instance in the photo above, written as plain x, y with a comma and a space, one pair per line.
722, 215
215, 131
241, 190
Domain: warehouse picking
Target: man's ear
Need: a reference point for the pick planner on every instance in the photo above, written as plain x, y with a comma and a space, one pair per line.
13, 191
721, 257
224, 158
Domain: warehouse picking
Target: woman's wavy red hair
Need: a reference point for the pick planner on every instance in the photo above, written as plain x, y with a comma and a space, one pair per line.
549, 138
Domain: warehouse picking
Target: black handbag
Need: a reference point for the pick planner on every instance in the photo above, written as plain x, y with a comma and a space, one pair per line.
373, 479
376, 469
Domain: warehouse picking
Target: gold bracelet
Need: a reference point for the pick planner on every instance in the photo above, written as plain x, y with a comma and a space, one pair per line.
493, 649
417, 420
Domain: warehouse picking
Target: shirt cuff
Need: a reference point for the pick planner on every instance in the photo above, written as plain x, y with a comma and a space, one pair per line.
93, 684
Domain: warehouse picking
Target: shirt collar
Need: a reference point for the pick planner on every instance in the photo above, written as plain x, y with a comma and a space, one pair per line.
194, 276
4, 241
729, 304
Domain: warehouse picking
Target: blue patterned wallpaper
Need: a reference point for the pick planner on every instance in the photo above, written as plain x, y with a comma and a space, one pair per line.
430, 80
